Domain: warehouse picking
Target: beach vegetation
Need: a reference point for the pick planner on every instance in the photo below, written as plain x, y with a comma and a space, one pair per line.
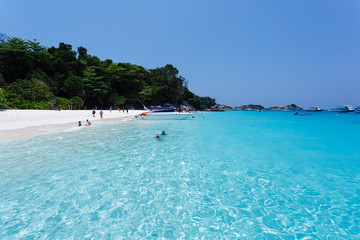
74, 86
42, 105
2, 81
16, 101
34, 90
33, 74
117, 100
3, 102
13, 100
63, 103
77, 102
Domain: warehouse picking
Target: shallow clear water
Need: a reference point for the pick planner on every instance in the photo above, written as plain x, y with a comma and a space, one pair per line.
231, 175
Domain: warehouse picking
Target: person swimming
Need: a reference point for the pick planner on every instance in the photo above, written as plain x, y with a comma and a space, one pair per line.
157, 136
163, 133
87, 122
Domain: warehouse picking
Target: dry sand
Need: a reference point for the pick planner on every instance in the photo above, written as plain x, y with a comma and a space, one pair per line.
19, 124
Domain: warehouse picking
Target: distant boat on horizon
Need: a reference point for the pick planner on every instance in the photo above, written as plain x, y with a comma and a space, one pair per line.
314, 109
342, 109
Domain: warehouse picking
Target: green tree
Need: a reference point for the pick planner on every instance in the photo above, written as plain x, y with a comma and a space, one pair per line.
33, 74
40, 91
22, 87
14, 59
34, 89
117, 100
63, 103
129, 80
15, 43
3, 102
2, 81
82, 53
35, 46
77, 102
95, 88
74, 86
146, 94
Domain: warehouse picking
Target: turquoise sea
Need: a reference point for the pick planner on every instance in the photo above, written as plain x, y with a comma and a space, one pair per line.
227, 175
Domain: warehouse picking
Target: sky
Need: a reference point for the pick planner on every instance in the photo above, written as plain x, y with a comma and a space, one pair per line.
237, 51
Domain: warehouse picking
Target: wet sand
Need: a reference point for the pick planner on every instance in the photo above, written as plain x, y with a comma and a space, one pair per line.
20, 124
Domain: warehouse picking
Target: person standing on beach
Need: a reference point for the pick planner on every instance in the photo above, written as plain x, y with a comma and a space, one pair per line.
93, 112
101, 114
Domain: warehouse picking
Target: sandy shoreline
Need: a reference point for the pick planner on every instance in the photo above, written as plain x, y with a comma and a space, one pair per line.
20, 124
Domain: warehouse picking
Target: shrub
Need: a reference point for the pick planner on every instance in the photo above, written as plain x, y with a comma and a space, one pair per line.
63, 103
77, 102
3, 102
33, 90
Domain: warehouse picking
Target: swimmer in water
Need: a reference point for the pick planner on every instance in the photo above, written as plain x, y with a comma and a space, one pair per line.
87, 122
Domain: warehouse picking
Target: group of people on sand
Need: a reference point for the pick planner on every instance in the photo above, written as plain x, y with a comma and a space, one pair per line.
110, 109
123, 110
93, 112
88, 123
101, 113
158, 134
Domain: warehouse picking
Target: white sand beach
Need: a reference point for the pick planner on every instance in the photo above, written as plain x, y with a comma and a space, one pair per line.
19, 124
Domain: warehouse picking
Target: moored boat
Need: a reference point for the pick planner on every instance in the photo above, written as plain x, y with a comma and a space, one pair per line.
163, 113
314, 109
343, 109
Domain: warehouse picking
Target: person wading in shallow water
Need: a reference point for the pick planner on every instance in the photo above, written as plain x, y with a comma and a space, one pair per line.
87, 122
101, 114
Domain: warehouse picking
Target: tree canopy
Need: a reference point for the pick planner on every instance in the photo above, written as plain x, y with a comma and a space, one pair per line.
34, 76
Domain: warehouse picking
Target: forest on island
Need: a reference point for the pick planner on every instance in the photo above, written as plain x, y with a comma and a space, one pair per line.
36, 77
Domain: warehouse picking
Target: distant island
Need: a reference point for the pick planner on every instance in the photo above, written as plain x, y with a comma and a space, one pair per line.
36, 77
254, 107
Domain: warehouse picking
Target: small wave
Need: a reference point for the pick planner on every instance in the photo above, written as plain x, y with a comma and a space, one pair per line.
72, 129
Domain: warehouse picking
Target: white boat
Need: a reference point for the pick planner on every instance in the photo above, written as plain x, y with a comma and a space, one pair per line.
314, 109
343, 109
162, 113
